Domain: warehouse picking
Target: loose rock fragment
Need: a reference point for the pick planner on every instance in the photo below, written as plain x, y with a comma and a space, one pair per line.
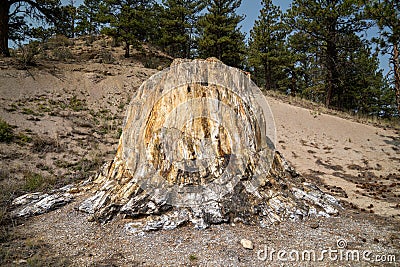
314, 225
35, 204
247, 244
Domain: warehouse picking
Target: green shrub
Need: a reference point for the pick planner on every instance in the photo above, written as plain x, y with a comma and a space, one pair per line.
89, 39
192, 257
151, 62
23, 138
34, 182
62, 53
58, 41
28, 111
6, 131
77, 104
106, 56
26, 53
45, 145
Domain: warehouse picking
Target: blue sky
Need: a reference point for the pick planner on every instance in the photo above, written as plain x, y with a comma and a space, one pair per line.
251, 9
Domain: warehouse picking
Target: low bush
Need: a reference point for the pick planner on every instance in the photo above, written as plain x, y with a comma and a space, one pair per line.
62, 53
6, 131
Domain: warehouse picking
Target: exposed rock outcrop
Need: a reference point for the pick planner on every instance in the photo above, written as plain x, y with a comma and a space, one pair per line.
198, 146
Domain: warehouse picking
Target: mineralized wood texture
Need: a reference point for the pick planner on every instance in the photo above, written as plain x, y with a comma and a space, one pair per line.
198, 145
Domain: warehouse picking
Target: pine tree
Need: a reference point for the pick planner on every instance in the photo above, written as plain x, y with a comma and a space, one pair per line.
179, 26
387, 101
131, 21
360, 78
387, 16
309, 77
87, 19
13, 15
65, 25
267, 51
325, 23
219, 33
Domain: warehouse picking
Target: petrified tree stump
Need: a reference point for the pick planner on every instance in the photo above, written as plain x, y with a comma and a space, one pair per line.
197, 146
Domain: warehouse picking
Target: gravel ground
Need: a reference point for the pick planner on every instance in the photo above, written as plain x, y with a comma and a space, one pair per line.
78, 107
65, 237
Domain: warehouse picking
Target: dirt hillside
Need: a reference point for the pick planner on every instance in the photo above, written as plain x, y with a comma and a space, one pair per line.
65, 119
357, 163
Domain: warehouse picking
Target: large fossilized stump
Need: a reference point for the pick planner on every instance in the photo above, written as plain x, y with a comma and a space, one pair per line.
198, 145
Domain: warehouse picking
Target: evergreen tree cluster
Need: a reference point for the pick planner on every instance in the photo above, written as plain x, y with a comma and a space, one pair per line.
316, 49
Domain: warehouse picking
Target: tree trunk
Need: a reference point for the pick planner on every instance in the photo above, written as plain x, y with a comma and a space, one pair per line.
197, 147
4, 28
293, 82
332, 76
267, 74
127, 54
331, 62
396, 69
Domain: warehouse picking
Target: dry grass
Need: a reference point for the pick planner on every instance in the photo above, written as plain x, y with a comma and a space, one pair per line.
46, 145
